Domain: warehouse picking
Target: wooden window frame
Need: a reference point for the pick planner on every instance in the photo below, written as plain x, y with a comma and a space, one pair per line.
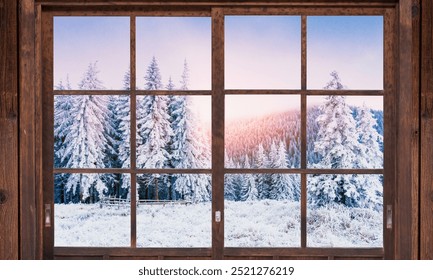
400, 102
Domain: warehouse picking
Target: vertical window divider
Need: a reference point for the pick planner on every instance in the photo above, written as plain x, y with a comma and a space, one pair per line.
303, 130
218, 115
133, 146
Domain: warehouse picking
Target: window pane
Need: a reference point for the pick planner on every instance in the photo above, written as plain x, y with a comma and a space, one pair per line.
92, 210
262, 210
262, 131
345, 132
174, 210
345, 211
174, 58
91, 53
91, 131
350, 45
173, 132
262, 52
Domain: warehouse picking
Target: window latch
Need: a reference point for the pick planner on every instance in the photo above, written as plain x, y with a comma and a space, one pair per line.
389, 216
47, 216
218, 216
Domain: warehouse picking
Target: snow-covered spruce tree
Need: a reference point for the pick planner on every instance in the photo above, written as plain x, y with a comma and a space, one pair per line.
62, 122
370, 156
153, 134
172, 106
87, 140
369, 137
312, 135
337, 143
184, 82
263, 180
294, 153
229, 184
248, 188
170, 85
120, 114
188, 147
283, 186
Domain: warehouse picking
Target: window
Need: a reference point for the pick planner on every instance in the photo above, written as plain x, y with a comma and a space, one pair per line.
240, 128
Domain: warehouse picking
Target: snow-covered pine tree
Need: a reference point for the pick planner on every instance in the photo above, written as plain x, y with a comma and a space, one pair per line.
370, 156
229, 185
370, 139
184, 82
120, 113
337, 143
153, 134
87, 141
172, 106
62, 121
248, 188
188, 147
263, 180
170, 85
294, 153
312, 135
153, 79
283, 186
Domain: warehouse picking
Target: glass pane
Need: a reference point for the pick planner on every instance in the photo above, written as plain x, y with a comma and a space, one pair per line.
262, 52
91, 53
91, 131
262, 210
262, 131
345, 132
174, 210
173, 132
92, 210
350, 45
345, 211
174, 58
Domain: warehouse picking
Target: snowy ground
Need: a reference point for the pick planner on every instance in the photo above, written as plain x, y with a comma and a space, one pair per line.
264, 223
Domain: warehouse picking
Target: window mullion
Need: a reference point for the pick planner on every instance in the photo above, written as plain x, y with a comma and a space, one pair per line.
133, 128
303, 131
218, 111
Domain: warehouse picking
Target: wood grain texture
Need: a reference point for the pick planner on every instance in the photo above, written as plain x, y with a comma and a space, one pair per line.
220, 2
9, 243
229, 253
28, 231
48, 129
390, 126
218, 109
405, 194
426, 222
407, 141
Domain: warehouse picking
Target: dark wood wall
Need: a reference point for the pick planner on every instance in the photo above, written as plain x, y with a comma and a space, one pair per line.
19, 210
426, 174
8, 130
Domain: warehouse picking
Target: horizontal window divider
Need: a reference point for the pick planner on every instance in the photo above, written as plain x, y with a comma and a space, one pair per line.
92, 92
174, 171
130, 171
128, 251
309, 251
125, 9
305, 92
251, 6
91, 170
174, 92
228, 251
309, 9
304, 171
346, 92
